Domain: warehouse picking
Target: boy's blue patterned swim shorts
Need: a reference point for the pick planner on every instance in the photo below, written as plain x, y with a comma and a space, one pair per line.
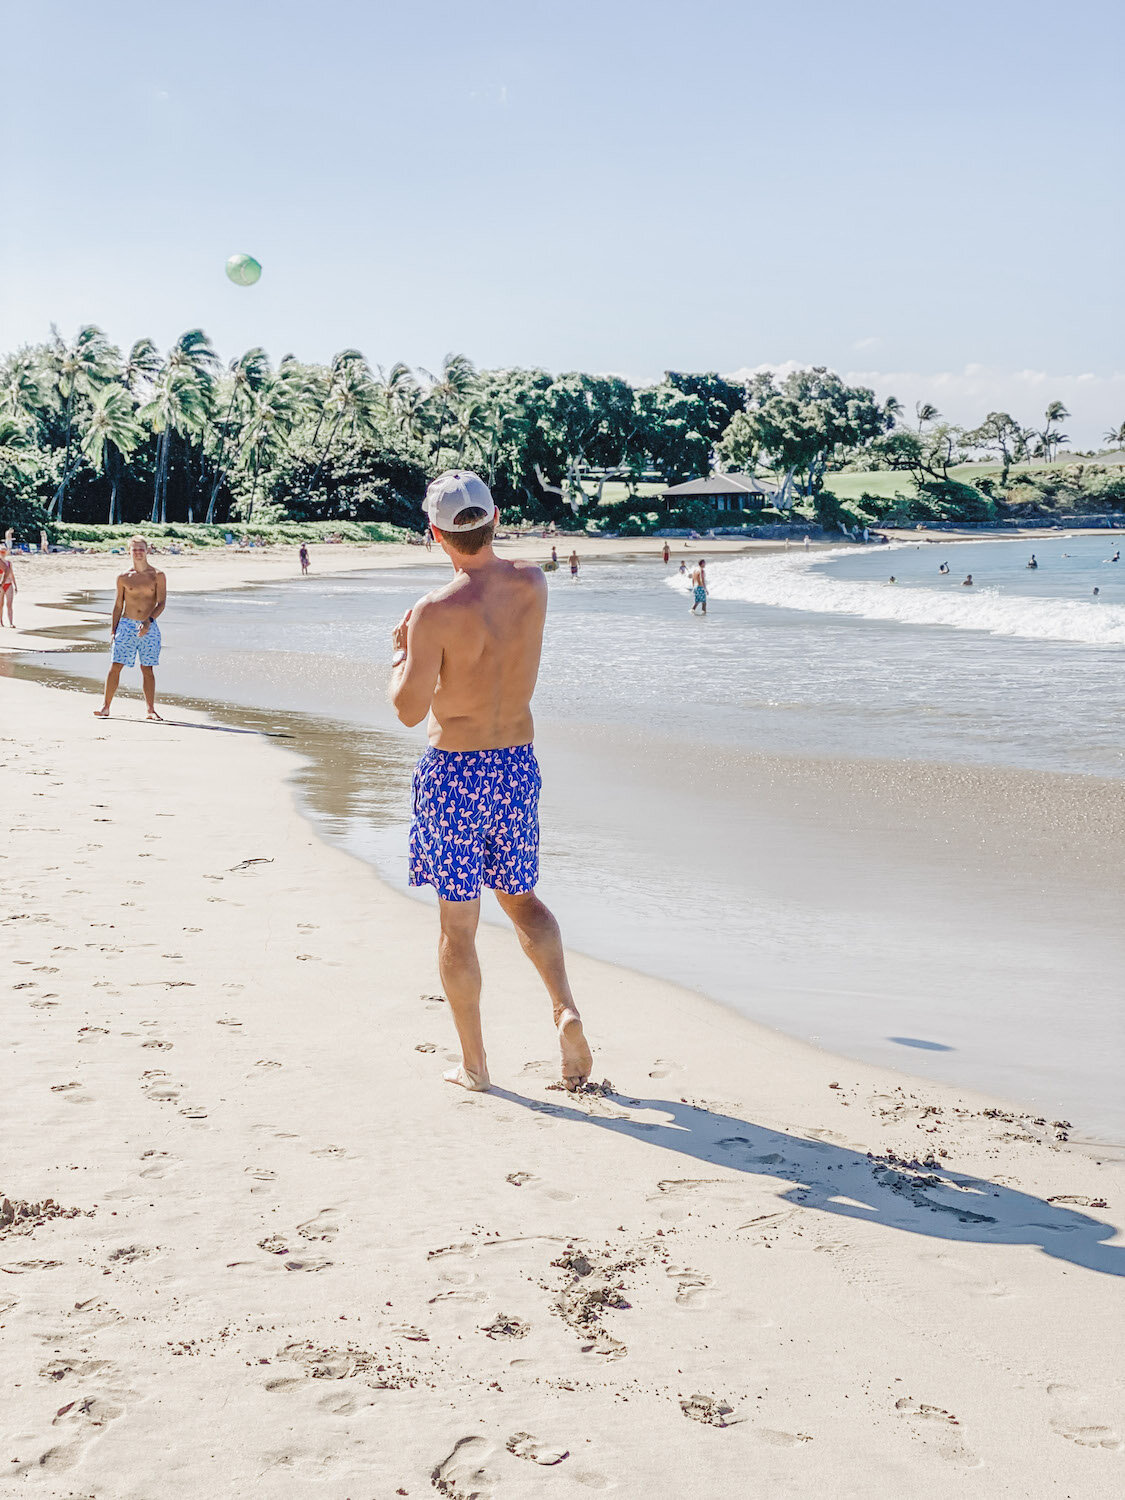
476, 822
128, 641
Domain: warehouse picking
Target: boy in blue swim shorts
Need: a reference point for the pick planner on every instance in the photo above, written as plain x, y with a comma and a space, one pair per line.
142, 593
467, 656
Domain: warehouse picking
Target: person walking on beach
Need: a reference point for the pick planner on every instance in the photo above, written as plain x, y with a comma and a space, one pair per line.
8, 589
141, 595
555, 556
303, 555
699, 587
574, 564
467, 656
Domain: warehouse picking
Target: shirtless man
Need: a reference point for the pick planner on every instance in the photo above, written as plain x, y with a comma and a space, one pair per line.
8, 589
699, 587
141, 595
467, 655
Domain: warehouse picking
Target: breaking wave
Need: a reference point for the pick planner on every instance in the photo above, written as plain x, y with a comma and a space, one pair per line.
785, 581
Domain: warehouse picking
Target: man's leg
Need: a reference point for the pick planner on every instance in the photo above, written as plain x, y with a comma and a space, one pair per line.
460, 979
541, 940
112, 679
148, 684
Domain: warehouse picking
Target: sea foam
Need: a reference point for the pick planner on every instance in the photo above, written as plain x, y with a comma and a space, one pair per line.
788, 581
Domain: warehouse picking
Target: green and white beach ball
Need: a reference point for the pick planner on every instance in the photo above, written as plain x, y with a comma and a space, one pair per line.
243, 270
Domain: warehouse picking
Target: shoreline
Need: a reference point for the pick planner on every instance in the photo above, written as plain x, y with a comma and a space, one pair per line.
294, 1237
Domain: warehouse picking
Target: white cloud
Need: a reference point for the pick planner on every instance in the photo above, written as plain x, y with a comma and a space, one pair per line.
1096, 402
872, 342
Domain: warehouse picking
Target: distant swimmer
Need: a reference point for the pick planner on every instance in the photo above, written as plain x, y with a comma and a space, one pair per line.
1033, 563
303, 556
574, 564
1116, 557
683, 566
141, 595
1097, 591
892, 579
8, 589
699, 587
667, 553
967, 583
944, 568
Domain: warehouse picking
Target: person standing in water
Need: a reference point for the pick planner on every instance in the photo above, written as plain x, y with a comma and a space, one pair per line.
667, 554
8, 588
467, 656
967, 583
574, 564
141, 595
699, 586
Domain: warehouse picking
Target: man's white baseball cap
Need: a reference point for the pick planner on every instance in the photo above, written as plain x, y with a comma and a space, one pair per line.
455, 491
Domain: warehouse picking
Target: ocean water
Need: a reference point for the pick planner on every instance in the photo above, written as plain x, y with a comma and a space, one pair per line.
886, 818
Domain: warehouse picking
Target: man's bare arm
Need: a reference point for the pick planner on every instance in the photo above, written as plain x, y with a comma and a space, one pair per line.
118, 604
413, 682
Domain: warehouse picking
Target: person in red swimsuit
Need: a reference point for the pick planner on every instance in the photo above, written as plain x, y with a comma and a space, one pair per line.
8, 589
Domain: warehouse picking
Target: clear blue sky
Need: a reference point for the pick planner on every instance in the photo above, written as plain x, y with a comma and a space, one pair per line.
886, 187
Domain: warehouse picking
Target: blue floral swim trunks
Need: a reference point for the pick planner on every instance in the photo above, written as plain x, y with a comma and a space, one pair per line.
476, 822
128, 641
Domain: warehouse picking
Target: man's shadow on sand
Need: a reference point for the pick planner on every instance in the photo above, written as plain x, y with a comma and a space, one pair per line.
935, 1201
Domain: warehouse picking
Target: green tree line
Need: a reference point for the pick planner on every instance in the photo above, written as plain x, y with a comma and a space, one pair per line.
89, 433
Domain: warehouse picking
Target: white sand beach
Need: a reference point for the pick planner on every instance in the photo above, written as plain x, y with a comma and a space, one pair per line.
252, 1244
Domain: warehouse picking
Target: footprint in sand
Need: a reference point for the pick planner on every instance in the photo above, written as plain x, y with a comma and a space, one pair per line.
689, 1284
939, 1429
194, 1112
322, 1226
411, 1334
661, 1068
260, 1174
158, 1046
307, 1263
274, 1244
467, 1473
523, 1445
24, 1267
266, 1064
159, 1087
127, 1254
158, 1164
1076, 1420
708, 1409
91, 1033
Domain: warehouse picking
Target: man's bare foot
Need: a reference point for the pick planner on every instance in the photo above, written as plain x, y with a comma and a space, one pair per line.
577, 1059
476, 1083
153, 717
101, 713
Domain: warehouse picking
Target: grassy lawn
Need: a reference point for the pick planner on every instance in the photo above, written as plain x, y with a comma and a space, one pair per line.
108, 538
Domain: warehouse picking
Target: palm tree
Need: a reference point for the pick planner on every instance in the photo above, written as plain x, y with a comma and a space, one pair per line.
473, 424
181, 403
21, 387
81, 368
141, 367
925, 411
276, 407
248, 374
337, 374
397, 390
1051, 439
450, 389
1115, 437
352, 404
112, 434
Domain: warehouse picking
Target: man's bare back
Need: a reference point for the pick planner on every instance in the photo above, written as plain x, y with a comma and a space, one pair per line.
483, 631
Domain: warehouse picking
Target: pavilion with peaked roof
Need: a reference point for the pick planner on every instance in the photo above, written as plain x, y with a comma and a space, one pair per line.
727, 491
